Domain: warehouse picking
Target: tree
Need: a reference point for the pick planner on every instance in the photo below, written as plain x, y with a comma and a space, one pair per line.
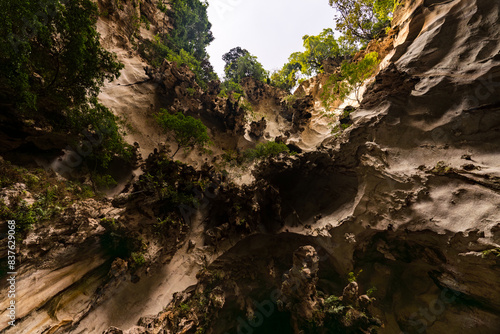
50, 54
192, 29
52, 67
186, 43
231, 59
286, 77
320, 48
361, 21
349, 79
266, 150
188, 131
241, 64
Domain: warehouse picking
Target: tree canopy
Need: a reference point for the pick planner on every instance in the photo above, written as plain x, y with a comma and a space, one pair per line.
360, 21
189, 132
241, 64
52, 67
186, 43
50, 54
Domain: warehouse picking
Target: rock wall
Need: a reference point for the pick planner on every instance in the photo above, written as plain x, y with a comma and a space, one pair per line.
407, 198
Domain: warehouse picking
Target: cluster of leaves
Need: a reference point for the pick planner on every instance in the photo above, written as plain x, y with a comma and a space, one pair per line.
186, 43
491, 252
189, 132
50, 197
266, 150
52, 66
240, 64
361, 21
349, 79
318, 49
260, 152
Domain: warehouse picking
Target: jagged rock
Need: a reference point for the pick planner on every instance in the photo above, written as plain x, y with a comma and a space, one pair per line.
257, 128
298, 290
350, 293
113, 330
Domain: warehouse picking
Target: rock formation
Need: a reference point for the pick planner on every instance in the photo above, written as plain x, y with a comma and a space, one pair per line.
406, 198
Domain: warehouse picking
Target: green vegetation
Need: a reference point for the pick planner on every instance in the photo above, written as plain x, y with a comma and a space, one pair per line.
119, 242
28, 209
240, 64
349, 79
319, 49
491, 252
186, 43
266, 150
52, 66
352, 277
51, 58
189, 132
361, 21
442, 168
286, 78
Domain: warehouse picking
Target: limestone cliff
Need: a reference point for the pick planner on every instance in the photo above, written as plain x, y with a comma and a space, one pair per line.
406, 199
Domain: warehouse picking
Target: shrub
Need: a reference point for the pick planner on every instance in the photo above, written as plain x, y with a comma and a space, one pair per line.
266, 150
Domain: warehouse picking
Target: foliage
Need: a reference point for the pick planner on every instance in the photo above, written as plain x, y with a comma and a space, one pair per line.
137, 259
442, 168
349, 79
50, 197
320, 48
52, 66
104, 181
231, 87
493, 251
156, 51
361, 21
371, 291
95, 119
118, 241
50, 57
266, 150
286, 77
352, 277
241, 64
192, 30
186, 43
189, 132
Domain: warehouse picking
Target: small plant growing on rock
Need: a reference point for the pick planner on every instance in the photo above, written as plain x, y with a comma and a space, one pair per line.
442, 168
266, 150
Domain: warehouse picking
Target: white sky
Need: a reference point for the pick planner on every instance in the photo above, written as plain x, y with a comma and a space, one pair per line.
269, 29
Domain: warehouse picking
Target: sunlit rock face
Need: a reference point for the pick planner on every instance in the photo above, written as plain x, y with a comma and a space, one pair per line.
409, 194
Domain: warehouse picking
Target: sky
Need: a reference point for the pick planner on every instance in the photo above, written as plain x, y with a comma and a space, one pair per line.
268, 29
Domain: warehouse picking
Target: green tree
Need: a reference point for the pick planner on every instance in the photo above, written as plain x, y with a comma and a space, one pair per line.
361, 21
52, 67
50, 54
286, 77
186, 43
320, 48
192, 29
241, 64
189, 132
231, 60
